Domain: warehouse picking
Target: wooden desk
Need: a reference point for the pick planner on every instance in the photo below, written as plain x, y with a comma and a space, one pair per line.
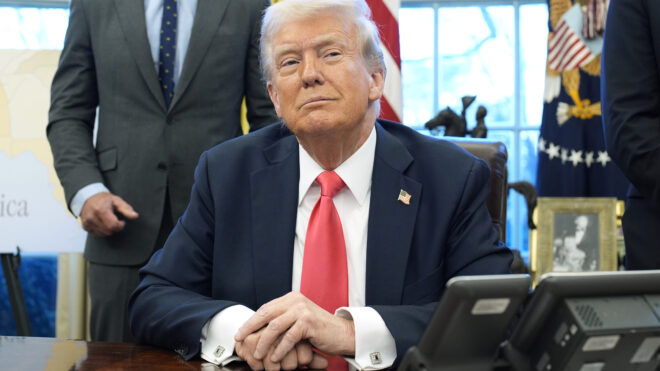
34, 354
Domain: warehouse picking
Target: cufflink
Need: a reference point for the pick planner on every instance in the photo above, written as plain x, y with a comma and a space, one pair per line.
376, 359
218, 351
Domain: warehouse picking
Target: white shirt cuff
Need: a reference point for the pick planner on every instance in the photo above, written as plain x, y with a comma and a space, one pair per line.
218, 334
78, 201
375, 348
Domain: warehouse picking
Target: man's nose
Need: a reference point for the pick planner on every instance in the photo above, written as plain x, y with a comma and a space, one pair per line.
311, 71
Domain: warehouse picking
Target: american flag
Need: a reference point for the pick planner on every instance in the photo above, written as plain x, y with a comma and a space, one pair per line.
404, 197
386, 15
566, 51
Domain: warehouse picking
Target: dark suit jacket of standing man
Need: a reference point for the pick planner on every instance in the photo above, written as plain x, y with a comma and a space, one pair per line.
238, 233
631, 115
144, 149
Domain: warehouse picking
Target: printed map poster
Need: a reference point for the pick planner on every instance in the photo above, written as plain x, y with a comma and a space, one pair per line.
33, 213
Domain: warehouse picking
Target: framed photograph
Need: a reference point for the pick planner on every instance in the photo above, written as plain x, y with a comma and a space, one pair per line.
575, 234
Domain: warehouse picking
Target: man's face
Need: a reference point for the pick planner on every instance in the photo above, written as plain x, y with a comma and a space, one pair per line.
320, 82
581, 223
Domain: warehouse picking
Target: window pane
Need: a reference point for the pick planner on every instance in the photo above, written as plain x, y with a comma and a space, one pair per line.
533, 52
528, 140
528, 155
32, 28
416, 39
476, 57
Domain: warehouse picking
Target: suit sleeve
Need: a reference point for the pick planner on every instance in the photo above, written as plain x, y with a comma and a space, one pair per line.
171, 305
472, 248
260, 111
74, 99
631, 93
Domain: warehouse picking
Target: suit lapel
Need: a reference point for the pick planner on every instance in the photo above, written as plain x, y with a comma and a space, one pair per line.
131, 18
391, 222
274, 195
208, 15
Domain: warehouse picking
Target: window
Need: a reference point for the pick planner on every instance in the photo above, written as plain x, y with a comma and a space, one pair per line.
32, 27
494, 49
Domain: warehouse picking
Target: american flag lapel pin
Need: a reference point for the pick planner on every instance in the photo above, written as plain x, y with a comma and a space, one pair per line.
404, 197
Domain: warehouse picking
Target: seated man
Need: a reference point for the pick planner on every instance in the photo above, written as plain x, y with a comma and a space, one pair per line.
356, 275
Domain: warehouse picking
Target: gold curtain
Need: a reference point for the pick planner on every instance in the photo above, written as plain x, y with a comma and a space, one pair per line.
72, 308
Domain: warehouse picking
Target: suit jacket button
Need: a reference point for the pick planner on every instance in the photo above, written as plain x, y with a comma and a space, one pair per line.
162, 166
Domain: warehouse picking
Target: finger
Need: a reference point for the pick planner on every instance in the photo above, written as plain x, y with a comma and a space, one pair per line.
293, 336
109, 222
243, 351
258, 320
100, 223
124, 208
274, 330
255, 364
89, 224
318, 362
95, 230
304, 352
290, 361
269, 364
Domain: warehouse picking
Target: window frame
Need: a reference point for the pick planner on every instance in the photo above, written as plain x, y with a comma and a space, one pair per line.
35, 3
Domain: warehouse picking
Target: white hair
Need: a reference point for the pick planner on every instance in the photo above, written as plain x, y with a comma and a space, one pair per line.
355, 12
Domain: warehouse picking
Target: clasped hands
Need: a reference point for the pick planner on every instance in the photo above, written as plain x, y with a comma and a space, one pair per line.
281, 334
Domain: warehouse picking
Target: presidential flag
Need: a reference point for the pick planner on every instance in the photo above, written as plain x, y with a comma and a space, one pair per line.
572, 158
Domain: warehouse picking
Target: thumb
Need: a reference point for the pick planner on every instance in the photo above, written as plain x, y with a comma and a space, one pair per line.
124, 208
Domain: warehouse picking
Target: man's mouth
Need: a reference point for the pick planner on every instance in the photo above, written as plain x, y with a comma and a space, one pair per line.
315, 100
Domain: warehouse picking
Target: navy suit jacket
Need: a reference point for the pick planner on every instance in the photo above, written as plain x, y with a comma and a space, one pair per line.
234, 243
631, 117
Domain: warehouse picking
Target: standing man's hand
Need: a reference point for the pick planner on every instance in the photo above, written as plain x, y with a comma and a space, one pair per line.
101, 214
292, 319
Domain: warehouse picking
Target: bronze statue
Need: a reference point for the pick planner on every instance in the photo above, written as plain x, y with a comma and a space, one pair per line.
455, 125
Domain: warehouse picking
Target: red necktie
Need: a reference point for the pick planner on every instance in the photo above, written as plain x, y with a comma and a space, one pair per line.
325, 273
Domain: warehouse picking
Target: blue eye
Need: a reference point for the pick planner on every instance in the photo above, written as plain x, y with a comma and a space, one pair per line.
289, 62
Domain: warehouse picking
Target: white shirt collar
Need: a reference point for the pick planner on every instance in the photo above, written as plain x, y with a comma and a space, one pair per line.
355, 171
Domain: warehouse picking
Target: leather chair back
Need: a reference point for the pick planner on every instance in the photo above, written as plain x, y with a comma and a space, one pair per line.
495, 155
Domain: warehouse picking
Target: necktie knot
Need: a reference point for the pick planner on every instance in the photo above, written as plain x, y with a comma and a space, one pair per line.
330, 183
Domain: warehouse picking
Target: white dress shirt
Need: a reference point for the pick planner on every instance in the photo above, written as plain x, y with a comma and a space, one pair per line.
374, 345
153, 13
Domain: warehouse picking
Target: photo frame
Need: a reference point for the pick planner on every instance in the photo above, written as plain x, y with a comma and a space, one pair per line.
573, 234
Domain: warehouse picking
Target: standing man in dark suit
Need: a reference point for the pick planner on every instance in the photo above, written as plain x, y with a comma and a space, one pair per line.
631, 117
356, 272
167, 78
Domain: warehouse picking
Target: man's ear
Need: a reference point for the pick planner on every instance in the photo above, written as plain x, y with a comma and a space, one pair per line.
274, 97
377, 85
